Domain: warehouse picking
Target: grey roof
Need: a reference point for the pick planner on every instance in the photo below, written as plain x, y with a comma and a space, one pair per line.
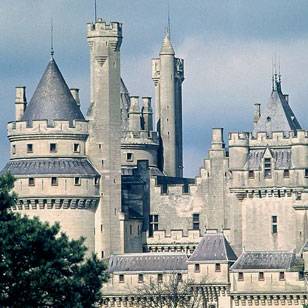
277, 115
166, 48
148, 262
281, 157
52, 99
68, 166
213, 247
264, 260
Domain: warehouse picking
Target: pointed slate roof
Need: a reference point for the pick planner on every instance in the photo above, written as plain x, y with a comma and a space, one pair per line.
213, 247
52, 99
166, 48
277, 115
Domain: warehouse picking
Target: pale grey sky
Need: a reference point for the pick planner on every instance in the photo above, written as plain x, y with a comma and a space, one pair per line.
227, 45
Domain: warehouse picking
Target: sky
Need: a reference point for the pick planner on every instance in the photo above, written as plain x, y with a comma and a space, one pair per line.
227, 46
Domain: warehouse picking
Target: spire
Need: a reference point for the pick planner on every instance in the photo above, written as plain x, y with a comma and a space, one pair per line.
51, 39
166, 48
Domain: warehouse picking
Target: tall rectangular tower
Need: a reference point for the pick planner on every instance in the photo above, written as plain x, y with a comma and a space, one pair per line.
104, 144
168, 75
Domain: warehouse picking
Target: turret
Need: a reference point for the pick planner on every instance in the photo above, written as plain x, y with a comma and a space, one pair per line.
147, 114
134, 114
20, 102
168, 75
104, 144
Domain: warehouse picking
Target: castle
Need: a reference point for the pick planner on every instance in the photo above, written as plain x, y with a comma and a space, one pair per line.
115, 176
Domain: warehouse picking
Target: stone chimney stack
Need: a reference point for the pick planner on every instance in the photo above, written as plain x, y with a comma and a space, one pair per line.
257, 113
147, 114
134, 114
75, 94
20, 102
217, 139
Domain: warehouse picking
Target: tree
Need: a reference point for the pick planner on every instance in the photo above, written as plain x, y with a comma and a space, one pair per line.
41, 267
173, 293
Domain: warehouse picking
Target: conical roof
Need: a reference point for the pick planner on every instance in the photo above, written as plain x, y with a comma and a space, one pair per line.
52, 99
166, 48
277, 115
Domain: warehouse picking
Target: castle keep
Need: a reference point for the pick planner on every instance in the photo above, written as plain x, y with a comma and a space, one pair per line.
115, 177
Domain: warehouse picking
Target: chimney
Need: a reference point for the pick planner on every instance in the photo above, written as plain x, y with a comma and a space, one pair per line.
20, 102
217, 139
75, 94
147, 114
134, 114
257, 113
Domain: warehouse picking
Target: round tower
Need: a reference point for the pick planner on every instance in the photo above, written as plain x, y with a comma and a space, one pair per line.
54, 179
168, 75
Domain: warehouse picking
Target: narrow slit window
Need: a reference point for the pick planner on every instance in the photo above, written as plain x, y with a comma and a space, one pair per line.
30, 148
267, 168
196, 221
53, 147
77, 181
31, 182
76, 148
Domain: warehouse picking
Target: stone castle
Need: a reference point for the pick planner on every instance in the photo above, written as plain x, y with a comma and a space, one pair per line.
115, 177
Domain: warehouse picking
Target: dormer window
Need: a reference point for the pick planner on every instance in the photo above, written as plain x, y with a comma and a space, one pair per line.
53, 147
267, 168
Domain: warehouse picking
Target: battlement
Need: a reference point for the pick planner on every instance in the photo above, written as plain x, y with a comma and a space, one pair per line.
175, 236
42, 127
166, 185
264, 138
140, 137
104, 29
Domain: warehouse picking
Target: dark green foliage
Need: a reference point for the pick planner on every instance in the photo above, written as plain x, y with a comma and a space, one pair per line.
40, 267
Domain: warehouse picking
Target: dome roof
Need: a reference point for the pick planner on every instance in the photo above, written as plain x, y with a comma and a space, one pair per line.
52, 99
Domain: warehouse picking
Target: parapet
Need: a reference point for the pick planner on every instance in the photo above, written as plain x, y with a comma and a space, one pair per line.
43, 127
140, 138
271, 139
104, 29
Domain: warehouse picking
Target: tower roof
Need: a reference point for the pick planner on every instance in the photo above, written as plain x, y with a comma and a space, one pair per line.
277, 115
213, 247
52, 99
166, 48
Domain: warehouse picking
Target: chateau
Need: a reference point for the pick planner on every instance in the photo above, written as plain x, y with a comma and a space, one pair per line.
238, 230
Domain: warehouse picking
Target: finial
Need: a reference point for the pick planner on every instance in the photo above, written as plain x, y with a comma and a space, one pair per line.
51, 39
95, 11
169, 26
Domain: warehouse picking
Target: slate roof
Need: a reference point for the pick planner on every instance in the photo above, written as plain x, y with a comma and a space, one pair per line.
282, 158
277, 115
52, 99
148, 262
213, 247
67, 166
265, 261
